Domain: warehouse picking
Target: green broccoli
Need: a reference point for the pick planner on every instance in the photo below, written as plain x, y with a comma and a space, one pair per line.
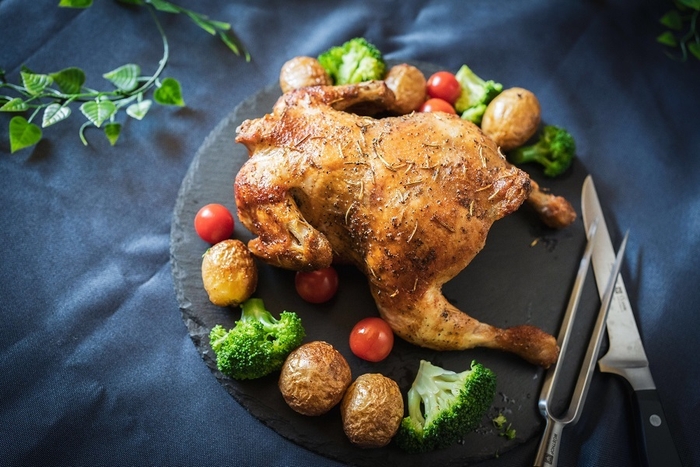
555, 150
443, 406
258, 344
476, 94
353, 62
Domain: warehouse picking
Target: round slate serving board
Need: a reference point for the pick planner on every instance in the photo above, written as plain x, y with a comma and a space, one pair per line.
523, 276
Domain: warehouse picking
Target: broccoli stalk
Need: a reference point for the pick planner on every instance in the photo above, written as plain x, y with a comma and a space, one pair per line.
258, 344
554, 150
355, 61
476, 94
443, 406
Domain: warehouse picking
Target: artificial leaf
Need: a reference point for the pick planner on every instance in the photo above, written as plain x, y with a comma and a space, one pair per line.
125, 77
672, 20
69, 80
162, 5
694, 48
112, 132
139, 109
54, 113
667, 38
14, 105
75, 3
35, 83
23, 134
169, 93
98, 111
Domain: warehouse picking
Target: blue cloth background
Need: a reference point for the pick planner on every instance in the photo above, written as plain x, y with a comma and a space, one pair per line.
96, 366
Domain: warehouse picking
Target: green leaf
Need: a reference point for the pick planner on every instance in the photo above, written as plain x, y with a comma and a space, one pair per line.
23, 134
132, 2
233, 44
169, 93
35, 83
54, 113
139, 109
694, 4
112, 131
162, 5
98, 111
69, 80
694, 49
672, 20
14, 105
75, 3
667, 38
125, 77
202, 22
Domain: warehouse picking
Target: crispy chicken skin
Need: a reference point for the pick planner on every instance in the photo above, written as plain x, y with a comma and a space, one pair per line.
409, 200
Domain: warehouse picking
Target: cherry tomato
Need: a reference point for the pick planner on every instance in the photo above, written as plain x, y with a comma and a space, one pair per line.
317, 286
445, 86
437, 105
371, 339
213, 223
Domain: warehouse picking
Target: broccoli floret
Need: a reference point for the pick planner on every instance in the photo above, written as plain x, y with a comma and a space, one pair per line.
555, 150
355, 61
258, 344
476, 94
443, 406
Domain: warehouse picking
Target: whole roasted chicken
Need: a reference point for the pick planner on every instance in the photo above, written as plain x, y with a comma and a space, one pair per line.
409, 200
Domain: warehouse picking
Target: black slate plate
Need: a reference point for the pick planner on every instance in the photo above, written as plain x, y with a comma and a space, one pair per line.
523, 276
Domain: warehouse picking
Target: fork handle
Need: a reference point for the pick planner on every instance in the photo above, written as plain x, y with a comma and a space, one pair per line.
548, 452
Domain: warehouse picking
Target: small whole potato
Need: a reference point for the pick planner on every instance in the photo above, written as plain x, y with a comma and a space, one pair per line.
314, 378
408, 84
511, 118
372, 410
229, 273
300, 72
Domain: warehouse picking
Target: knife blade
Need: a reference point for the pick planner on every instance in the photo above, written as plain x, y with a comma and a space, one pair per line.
626, 356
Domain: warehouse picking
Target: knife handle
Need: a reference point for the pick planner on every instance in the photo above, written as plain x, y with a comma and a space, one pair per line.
658, 449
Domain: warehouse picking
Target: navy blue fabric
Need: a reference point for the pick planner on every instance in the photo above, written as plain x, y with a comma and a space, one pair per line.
96, 366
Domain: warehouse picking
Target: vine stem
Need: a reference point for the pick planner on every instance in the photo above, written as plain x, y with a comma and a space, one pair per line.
163, 61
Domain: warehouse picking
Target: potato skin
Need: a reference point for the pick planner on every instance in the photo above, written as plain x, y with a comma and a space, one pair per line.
408, 84
372, 410
229, 273
314, 378
511, 118
302, 71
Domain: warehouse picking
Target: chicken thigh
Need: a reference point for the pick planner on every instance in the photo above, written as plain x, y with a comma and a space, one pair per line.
409, 200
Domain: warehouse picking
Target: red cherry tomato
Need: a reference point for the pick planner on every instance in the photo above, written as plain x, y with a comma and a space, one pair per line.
213, 223
372, 339
445, 86
437, 105
317, 286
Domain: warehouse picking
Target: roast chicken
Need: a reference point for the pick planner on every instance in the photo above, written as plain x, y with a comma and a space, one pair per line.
409, 200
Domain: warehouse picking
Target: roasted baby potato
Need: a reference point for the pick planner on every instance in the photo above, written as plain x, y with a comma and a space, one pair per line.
314, 378
408, 84
372, 410
229, 273
511, 118
300, 72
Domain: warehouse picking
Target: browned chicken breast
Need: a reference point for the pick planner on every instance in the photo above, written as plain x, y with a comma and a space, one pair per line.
409, 200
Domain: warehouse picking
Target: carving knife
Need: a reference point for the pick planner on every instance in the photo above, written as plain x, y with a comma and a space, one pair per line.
626, 356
